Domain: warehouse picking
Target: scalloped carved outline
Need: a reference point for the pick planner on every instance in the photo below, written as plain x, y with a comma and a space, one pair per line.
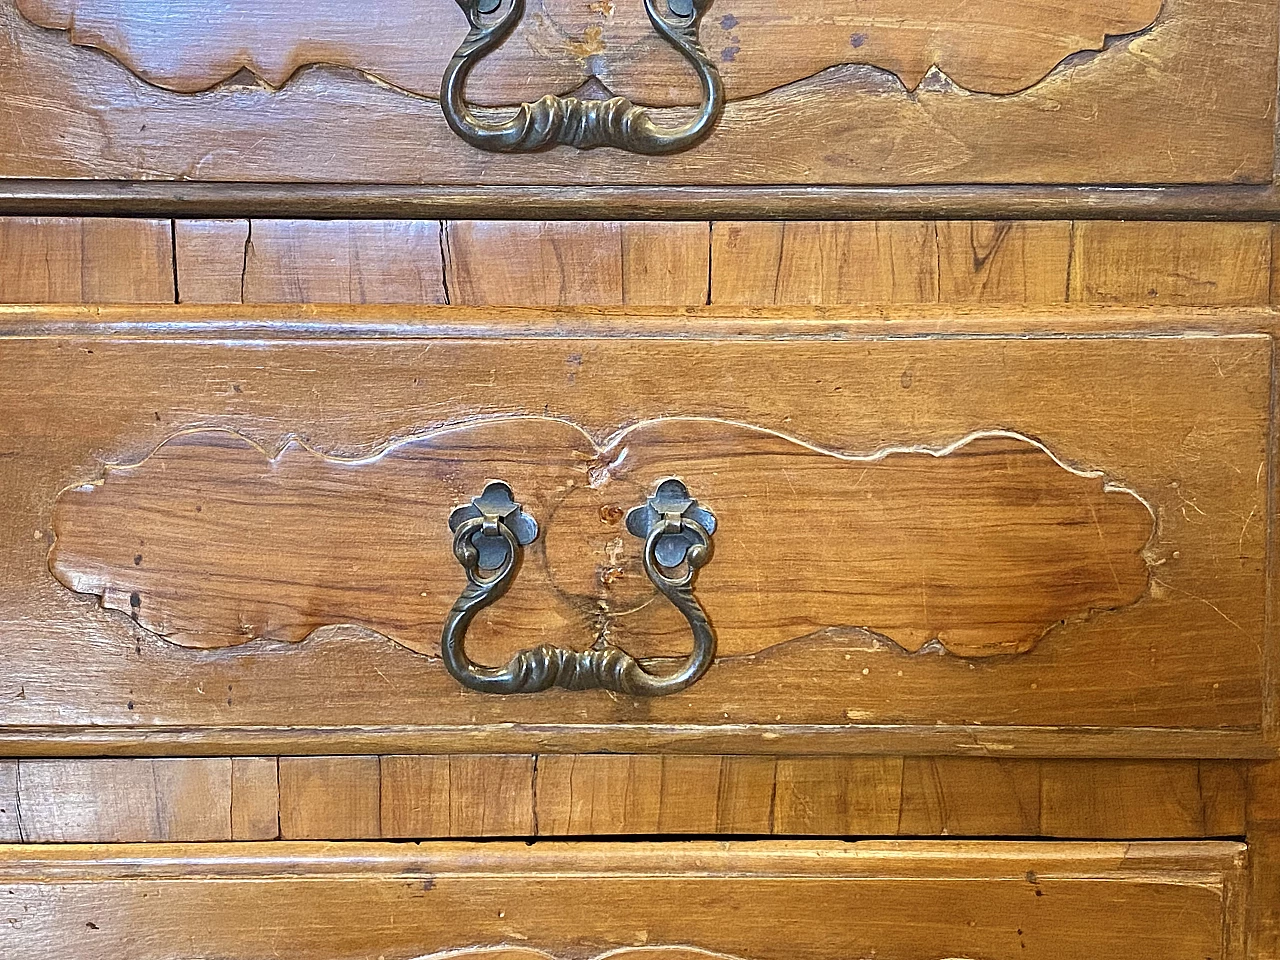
655, 951
935, 74
610, 449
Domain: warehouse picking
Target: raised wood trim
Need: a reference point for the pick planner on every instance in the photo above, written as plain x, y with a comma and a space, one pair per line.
697, 323
1120, 743
128, 198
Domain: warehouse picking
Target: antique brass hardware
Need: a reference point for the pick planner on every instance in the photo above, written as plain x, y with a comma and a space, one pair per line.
568, 120
490, 535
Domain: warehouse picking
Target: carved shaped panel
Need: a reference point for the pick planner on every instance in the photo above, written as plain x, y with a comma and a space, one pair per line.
988, 46
977, 549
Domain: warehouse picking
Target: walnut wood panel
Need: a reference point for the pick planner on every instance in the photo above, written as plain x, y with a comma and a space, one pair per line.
559, 45
337, 261
126, 800
210, 260
330, 797
255, 798
432, 797
749, 264
931, 542
1033, 262
75, 260
1134, 113
908, 901
1182, 421
1264, 861
1202, 263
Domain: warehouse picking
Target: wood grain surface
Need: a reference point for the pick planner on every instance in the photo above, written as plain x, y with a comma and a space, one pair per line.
559, 45
689, 901
1188, 100
403, 797
977, 549
512, 263
1181, 420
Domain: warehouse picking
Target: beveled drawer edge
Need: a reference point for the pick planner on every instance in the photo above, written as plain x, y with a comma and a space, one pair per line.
1191, 862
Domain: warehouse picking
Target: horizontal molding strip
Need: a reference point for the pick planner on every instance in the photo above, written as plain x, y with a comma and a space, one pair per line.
1120, 743
20, 197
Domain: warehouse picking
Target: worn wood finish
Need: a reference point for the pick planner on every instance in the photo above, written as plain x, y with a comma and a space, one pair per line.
915, 901
125, 800
329, 798
559, 45
1201, 263
10, 812
172, 541
642, 202
1264, 861
1124, 406
433, 797
458, 797
1133, 114
335, 261
210, 260
255, 799
1037, 262
74, 260
670, 263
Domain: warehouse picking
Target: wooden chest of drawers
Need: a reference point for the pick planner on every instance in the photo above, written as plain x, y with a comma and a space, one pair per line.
835, 519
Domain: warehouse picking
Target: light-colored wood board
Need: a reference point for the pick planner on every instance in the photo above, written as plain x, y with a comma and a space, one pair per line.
666, 263
332, 798
1193, 263
75, 260
255, 798
210, 256
1004, 261
1121, 798
1137, 112
10, 809
1264, 861
124, 801
837, 262
859, 795
534, 263
438, 797
461, 796
760, 901
947, 796
343, 261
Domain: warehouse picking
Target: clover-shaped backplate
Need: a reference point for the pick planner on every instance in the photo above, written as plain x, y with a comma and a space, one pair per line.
496, 503
671, 499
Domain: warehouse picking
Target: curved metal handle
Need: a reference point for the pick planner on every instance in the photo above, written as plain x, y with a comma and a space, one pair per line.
616, 122
686, 539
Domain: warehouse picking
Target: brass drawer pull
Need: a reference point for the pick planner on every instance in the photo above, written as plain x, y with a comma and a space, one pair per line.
490, 535
616, 122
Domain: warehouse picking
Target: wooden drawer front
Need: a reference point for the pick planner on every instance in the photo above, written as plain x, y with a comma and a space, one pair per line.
823, 92
779, 901
1014, 533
